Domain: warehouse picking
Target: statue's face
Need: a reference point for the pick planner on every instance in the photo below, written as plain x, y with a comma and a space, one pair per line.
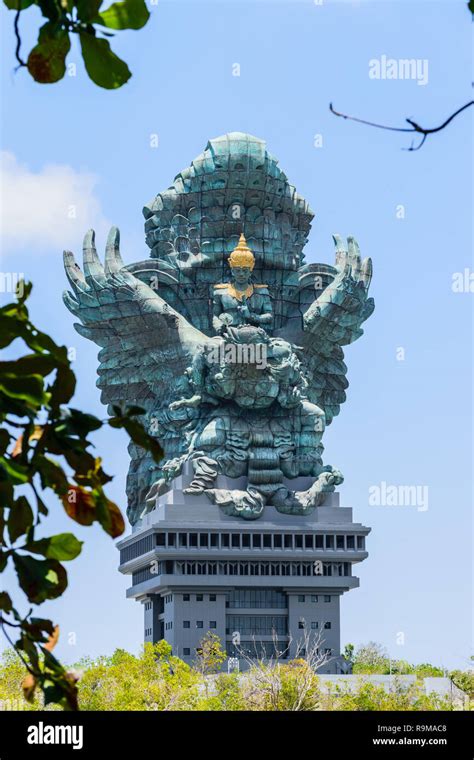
241, 275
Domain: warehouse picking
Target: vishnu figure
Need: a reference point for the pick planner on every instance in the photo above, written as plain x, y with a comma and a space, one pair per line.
241, 302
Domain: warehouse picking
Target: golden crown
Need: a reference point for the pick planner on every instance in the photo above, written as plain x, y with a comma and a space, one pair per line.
242, 256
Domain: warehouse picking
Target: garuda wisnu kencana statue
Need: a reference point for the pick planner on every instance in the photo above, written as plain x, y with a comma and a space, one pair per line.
224, 336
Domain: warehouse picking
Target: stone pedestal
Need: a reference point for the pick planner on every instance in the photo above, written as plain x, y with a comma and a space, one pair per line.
261, 586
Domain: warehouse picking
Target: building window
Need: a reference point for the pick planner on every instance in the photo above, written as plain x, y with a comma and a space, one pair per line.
327, 597
314, 625
314, 597
301, 597
257, 540
236, 540
183, 539
225, 539
299, 542
308, 542
327, 625
212, 624
339, 542
328, 651
193, 539
301, 624
186, 597
256, 598
267, 541
277, 541
266, 625
171, 539
199, 597
319, 542
186, 651
246, 540
199, 624
360, 542
302, 652
214, 539
212, 597
186, 624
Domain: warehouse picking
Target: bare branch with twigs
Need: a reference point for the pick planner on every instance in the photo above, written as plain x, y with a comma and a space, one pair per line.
413, 128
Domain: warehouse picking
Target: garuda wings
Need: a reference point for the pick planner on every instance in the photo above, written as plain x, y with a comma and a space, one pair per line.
154, 323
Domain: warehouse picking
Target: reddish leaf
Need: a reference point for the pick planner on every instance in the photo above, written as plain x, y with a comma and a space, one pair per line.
79, 505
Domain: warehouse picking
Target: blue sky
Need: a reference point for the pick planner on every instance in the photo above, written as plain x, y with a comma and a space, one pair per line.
406, 422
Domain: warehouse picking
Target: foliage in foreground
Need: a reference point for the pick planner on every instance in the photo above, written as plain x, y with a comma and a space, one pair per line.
373, 659
157, 680
46, 62
45, 446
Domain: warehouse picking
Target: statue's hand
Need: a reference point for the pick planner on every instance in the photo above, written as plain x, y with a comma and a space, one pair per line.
221, 322
189, 402
245, 311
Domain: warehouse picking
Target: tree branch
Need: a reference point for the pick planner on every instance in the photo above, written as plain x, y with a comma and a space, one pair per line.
18, 38
414, 126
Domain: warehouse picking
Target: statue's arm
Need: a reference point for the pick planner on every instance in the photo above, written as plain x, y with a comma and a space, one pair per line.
265, 318
217, 311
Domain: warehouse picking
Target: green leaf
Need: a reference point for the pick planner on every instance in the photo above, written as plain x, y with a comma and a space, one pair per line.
470, 5
137, 433
31, 364
50, 9
103, 66
87, 9
20, 518
129, 14
109, 515
5, 602
24, 287
63, 546
52, 475
13, 4
12, 471
28, 388
5, 439
47, 60
40, 579
79, 423
63, 387
37, 627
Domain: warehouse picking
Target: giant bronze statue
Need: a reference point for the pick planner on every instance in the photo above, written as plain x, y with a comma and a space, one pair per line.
224, 336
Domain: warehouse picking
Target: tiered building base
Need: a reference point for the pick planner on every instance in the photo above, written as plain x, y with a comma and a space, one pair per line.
269, 587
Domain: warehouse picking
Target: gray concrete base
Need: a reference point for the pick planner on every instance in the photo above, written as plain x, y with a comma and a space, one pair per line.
198, 571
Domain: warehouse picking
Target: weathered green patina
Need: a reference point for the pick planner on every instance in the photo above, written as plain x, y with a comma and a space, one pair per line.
239, 367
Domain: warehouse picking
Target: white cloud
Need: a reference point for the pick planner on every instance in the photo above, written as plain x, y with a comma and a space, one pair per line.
51, 208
